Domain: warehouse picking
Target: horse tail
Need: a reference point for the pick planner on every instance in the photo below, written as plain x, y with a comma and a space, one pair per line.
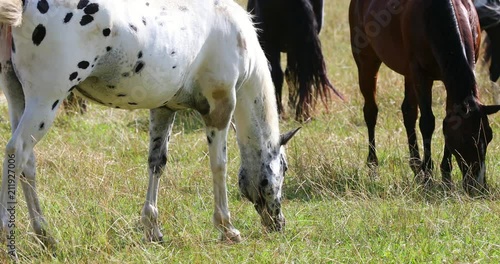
454, 47
11, 12
306, 70
487, 50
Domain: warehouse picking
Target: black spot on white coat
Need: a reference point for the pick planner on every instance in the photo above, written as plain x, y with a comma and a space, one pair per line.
83, 64
38, 34
91, 9
86, 19
68, 17
73, 76
82, 4
43, 6
139, 66
55, 104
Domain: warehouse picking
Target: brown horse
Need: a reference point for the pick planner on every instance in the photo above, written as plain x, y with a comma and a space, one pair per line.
426, 40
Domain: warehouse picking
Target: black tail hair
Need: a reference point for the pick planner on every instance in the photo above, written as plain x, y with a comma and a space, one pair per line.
492, 52
306, 68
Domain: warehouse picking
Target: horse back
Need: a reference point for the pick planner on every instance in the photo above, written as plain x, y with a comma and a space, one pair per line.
401, 32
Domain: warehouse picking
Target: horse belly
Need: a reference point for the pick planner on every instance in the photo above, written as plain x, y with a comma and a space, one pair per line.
135, 92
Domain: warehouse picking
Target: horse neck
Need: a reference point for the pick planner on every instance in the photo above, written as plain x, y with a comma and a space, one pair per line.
454, 49
256, 117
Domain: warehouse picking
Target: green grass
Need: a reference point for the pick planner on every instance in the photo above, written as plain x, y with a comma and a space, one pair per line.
92, 180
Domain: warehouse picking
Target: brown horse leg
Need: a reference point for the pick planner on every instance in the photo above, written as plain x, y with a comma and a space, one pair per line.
423, 88
446, 168
368, 67
410, 114
277, 76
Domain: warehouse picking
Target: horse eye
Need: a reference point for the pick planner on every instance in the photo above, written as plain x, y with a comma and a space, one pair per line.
284, 165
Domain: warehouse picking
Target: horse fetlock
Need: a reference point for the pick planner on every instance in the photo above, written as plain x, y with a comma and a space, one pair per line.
415, 165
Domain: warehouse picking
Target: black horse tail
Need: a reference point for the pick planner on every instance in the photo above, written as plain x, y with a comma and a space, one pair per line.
487, 50
492, 52
489, 19
306, 70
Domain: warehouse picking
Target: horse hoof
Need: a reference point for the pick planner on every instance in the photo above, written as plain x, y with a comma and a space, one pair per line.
158, 240
153, 239
48, 242
231, 236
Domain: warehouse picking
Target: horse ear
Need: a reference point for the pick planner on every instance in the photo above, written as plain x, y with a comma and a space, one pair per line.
284, 138
490, 109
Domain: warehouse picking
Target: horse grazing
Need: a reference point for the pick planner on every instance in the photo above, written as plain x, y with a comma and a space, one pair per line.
426, 40
292, 26
159, 55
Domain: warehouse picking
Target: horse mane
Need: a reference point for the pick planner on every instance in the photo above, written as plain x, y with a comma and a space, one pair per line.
257, 76
453, 52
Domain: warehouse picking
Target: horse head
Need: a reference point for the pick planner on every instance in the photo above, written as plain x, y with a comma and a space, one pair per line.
467, 134
263, 186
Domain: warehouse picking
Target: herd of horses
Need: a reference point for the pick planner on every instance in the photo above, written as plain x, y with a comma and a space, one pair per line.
206, 55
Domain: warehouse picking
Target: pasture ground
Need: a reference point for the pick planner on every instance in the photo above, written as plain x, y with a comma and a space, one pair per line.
92, 180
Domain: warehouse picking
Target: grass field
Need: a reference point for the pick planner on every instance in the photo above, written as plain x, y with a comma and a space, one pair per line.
92, 180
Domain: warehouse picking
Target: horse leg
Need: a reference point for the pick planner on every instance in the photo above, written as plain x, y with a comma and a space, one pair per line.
410, 113
15, 99
368, 67
218, 159
446, 167
28, 183
161, 122
222, 105
39, 113
274, 57
423, 87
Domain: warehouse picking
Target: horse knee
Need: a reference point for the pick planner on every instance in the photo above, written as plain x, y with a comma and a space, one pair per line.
157, 163
15, 156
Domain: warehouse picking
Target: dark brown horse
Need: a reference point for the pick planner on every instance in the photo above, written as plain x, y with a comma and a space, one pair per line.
426, 40
292, 26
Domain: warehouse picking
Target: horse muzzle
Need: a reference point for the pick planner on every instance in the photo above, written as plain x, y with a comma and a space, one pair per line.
271, 216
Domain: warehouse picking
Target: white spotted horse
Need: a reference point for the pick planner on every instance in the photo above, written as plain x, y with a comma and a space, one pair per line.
154, 54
